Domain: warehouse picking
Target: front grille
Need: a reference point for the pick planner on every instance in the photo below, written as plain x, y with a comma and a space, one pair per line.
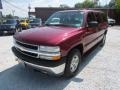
34, 47
28, 53
27, 49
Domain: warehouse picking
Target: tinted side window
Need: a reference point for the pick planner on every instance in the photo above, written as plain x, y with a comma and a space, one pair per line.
98, 17
90, 17
104, 17
27, 21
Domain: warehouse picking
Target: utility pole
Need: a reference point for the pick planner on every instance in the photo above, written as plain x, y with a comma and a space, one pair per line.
96, 2
29, 8
99, 3
13, 12
107, 7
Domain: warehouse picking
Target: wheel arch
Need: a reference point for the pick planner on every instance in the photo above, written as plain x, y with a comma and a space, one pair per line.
79, 47
106, 32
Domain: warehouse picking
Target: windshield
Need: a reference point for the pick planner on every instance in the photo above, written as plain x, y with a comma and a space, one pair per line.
71, 18
9, 22
24, 21
35, 21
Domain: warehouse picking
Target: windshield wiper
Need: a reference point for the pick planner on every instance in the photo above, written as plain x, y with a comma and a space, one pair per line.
66, 25
48, 24
55, 25
59, 25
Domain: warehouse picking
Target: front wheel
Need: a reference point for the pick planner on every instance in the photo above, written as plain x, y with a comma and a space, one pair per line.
18, 29
72, 63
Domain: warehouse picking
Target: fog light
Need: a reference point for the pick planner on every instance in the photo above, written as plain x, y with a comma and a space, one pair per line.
56, 58
50, 57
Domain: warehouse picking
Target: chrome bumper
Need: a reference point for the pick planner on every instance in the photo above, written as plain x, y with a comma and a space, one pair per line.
59, 70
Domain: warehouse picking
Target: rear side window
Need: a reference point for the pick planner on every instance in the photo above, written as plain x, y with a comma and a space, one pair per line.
27, 21
101, 17
104, 17
98, 17
90, 17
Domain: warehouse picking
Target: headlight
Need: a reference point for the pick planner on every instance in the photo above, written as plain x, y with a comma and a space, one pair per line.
50, 49
12, 26
50, 53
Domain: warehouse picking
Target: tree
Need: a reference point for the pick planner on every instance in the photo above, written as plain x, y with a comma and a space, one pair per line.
117, 10
117, 4
9, 16
112, 4
85, 4
78, 5
64, 6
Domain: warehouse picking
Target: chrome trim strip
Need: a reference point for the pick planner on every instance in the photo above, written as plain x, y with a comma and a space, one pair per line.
25, 49
25, 43
22, 48
27, 54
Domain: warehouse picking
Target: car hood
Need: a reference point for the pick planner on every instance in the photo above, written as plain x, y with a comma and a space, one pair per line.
50, 35
7, 24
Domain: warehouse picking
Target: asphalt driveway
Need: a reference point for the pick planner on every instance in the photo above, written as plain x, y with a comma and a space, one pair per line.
100, 69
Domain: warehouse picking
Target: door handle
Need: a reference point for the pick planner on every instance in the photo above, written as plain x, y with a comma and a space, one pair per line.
87, 33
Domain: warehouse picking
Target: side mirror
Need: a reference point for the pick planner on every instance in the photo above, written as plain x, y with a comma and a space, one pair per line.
93, 24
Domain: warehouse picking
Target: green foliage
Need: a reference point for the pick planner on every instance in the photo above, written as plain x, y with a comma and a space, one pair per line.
85, 4
117, 6
112, 4
9, 16
78, 5
64, 6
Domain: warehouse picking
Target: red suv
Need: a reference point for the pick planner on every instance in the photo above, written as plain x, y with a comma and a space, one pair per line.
58, 46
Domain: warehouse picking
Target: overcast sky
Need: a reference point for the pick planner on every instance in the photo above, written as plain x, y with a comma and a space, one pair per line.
23, 4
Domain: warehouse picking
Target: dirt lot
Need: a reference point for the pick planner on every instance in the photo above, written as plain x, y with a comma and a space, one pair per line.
100, 69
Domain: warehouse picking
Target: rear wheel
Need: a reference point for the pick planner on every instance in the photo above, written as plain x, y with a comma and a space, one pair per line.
102, 43
72, 63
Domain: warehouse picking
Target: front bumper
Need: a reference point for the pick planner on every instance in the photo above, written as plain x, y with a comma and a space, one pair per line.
24, 27
46, 66
111, 23
58, 70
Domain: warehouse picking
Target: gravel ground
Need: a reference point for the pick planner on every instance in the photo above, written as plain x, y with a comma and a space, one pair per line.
100, 69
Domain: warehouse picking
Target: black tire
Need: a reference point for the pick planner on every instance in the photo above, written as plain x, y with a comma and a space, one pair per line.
18, 29
112, 25
1, 34
102, 43
68, 73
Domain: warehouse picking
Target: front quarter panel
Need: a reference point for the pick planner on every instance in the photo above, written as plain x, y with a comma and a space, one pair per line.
71, 41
